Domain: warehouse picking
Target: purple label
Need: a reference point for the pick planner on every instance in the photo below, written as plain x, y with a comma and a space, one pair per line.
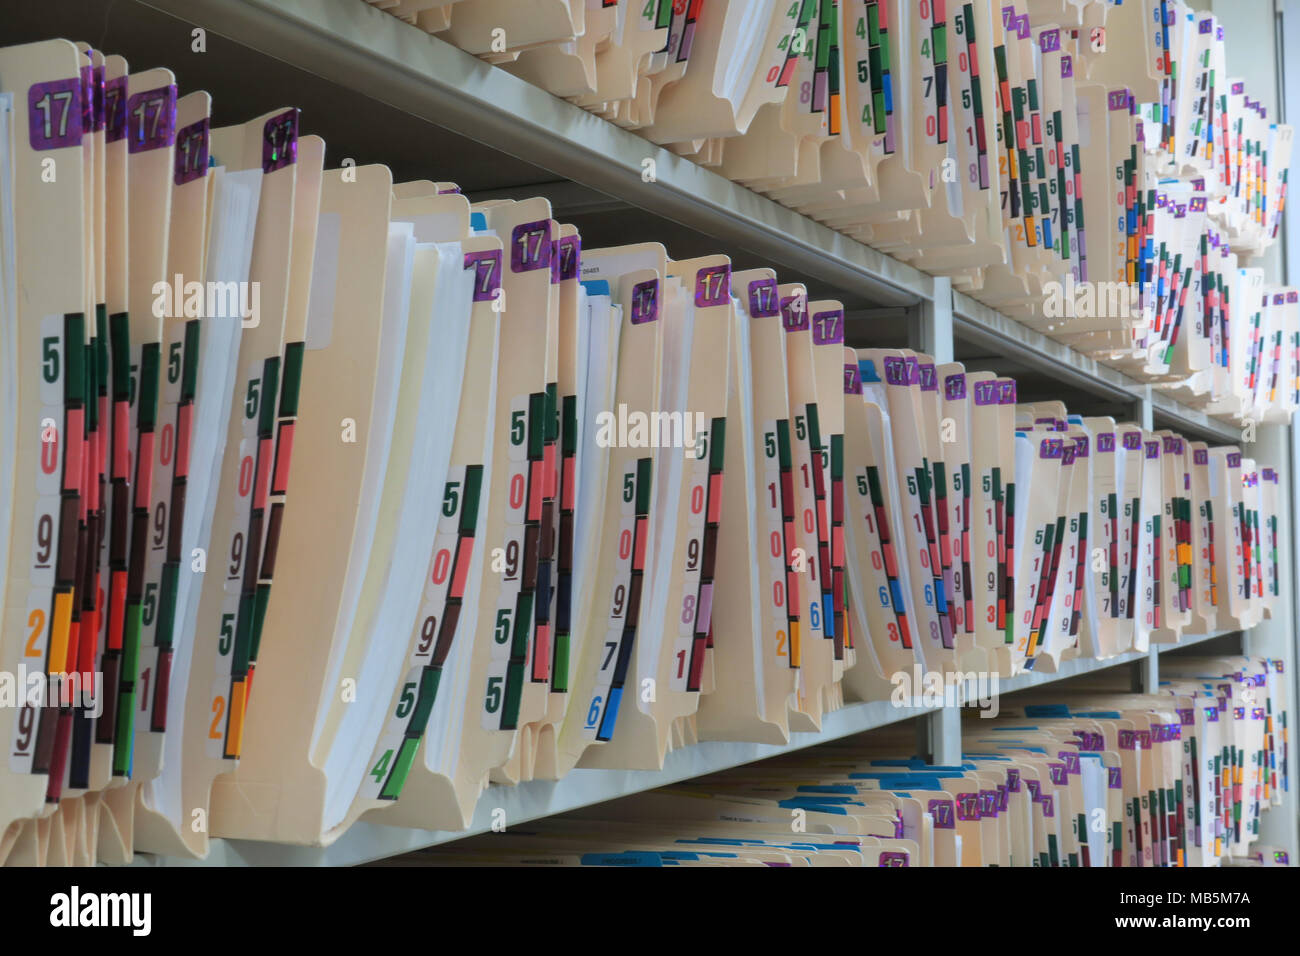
88, 98
1060, 775
1022, 26
191, 152
1144, 739
1113, 779
487, 273
986, 393
151, 119
1186, 716
1035, 790
1211, 713
988, 803
280, 141
1239, 713
929, 380
968, 807
569, 253
115, 109
1048, 805
1234, 459
1067, 66
954, 388
828, 328
1002, 798
1269, 475
1013, 780
1278, 299
97, 92
449, 191
764, 300
1127, 740
1293, 297
1105, 441
712, 286
1132, 441
893, 858
1205, 26
1257, 713
645, 302
1117, 99
1006, 391
1171, 445
1196, 204
1201, 456
1049, 41
1049, 448
1071, 759
941, 810
530, 246
794, 313
1280, 856
895, 370
852, 380
1081, 445
1153, 449
913, 370
54, 114
1238, 88
899, 830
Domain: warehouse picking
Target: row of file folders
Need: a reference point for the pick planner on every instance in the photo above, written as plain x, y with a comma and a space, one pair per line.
1015, 147
1082, 777
465, 501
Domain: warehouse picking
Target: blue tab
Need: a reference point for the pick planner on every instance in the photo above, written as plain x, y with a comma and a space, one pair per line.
1047, 710
628, 858
478, 222
867, 370
827, 788
596, 286
610, 716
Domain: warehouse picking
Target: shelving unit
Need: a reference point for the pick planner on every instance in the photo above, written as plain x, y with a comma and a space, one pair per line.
379, 90
366, 842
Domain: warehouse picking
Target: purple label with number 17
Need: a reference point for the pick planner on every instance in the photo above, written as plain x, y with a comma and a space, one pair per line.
54, 114
645, 302
151, 119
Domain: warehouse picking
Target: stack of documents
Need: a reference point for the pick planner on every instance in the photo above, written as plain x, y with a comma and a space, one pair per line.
972, 140
1085, 778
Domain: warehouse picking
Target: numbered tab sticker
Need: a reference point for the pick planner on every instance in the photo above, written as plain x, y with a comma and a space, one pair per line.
954, 388
115, 109
192, 152
280, 141
54, 114
645, 302
530, 246
151, 119
569, 256
764, 300
852, 380
712, 286
942, 811
794, 313
828, 328
487, 273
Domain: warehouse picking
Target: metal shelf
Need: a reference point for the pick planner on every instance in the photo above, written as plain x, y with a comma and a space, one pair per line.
366, 842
